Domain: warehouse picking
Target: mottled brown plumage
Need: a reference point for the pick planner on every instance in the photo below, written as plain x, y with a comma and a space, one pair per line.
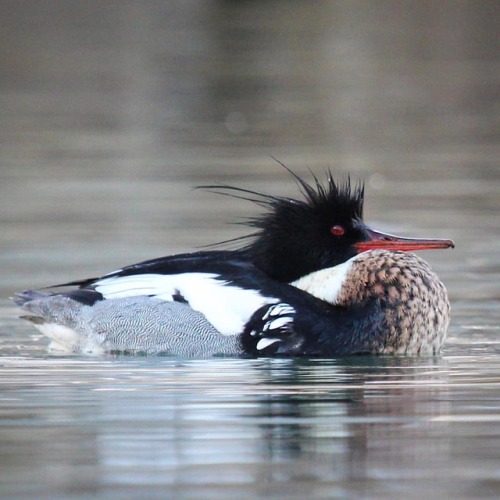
414, 299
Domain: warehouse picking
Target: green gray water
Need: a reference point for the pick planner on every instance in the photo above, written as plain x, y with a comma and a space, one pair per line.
111, 112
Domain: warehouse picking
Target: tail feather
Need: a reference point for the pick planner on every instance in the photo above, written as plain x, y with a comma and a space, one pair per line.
86, 297
55, 315
21, 298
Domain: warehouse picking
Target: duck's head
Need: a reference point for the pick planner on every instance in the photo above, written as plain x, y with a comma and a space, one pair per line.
324, 229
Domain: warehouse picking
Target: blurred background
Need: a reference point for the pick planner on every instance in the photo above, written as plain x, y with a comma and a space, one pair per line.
110, 112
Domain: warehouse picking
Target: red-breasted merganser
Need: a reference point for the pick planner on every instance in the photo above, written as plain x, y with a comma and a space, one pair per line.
237, 302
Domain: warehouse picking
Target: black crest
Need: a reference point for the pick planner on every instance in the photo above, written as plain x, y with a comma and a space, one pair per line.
293, 235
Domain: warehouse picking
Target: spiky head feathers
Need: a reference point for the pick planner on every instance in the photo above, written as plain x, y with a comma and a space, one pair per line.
332, 203
296, 237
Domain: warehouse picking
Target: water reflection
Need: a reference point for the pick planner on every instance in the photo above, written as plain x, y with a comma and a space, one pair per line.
272, 423
111, 112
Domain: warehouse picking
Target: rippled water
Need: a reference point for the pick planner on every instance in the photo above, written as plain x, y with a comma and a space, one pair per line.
111, 112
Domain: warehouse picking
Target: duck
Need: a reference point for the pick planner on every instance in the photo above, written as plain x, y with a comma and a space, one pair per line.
378, 302
227, 302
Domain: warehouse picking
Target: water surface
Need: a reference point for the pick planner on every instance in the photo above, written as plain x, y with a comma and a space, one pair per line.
109, 114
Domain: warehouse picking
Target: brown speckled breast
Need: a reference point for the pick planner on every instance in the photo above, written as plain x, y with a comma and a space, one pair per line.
417, 310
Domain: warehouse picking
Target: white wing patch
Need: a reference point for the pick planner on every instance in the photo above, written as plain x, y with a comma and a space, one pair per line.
279, 310
263, 343
278, 320
277, 323
227, 307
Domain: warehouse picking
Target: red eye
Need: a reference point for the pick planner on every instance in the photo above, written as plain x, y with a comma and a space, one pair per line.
337, 230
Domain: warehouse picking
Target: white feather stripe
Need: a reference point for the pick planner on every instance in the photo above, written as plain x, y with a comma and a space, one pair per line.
226, 306
278, 323
279, 310
263, 343
119, 287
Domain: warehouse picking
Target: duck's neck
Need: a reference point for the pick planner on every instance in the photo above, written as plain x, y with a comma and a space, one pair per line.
326, 284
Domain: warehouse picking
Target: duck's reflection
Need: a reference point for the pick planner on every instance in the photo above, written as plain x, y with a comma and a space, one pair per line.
354, 419
271, 425
303, 423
